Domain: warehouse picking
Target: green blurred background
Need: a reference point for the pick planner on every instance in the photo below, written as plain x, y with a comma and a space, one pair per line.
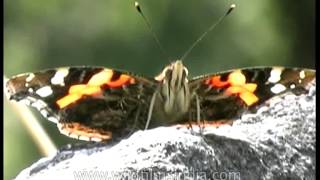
45, 34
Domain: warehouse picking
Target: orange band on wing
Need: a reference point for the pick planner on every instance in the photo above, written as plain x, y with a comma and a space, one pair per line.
76, 92
236, 85
121, 81
248, 97
101, 78
237, 78
66, 100
93, 87
77, 130
216, 82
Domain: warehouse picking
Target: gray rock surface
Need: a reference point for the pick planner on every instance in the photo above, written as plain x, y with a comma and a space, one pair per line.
277, 142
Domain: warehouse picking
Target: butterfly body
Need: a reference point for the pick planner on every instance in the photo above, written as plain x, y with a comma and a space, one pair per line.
97, 103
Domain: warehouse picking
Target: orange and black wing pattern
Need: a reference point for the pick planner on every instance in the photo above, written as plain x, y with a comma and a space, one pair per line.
227, 94
88, 103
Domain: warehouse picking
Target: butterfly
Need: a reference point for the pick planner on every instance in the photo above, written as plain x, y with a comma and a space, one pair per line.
100, 104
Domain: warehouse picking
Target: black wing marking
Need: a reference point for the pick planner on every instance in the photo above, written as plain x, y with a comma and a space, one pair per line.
119, 107
218, 102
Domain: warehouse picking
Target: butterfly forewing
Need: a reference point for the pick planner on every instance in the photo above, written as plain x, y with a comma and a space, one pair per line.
227, 94
86, 102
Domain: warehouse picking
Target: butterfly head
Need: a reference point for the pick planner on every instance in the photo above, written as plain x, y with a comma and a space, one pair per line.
175, 75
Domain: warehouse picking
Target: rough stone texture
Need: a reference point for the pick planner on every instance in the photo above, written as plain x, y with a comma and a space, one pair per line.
277, 142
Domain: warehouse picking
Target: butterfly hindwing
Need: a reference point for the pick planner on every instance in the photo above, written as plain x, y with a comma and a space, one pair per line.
227, 94
86, 102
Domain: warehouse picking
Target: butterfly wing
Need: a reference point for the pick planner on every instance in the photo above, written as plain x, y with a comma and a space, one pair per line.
227, 94
89, 103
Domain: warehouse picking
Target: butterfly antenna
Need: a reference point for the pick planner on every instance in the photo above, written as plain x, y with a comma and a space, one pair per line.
138, 8
232, 6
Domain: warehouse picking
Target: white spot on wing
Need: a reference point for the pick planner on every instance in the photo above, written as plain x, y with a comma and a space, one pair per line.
275, 74
302, 74
31, 99
73, 136
30, 77
53, 119
44, 113
25, 101
58, 78
292, 86
30, 90
38, 104
96, 139
44, 91
84, 138
278, 88
60, 126
65, 132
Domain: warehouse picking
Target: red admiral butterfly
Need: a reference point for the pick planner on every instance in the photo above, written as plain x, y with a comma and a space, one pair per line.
96, 103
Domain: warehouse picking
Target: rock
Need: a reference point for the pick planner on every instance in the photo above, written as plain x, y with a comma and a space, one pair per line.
277, 142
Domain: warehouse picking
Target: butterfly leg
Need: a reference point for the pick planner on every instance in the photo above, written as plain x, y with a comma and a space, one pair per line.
150, 110
190, 123
201, 128
134, 127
